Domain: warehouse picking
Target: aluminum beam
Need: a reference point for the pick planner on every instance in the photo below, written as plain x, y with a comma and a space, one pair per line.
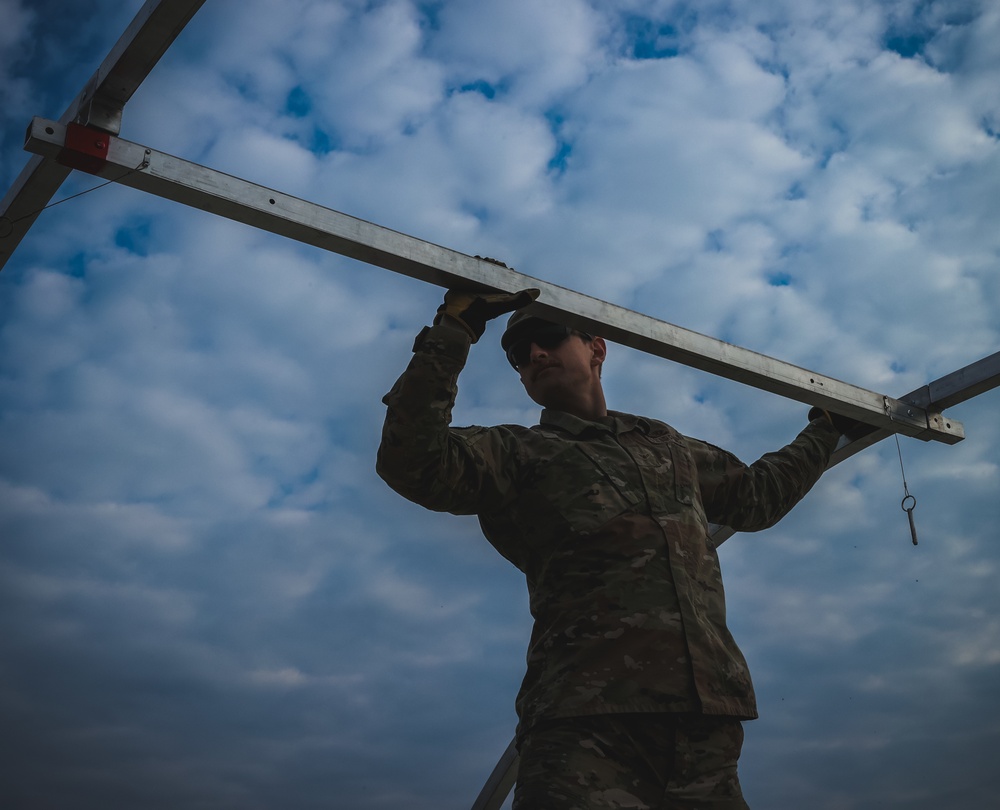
99, 104
952, 389
959, 386
200, 187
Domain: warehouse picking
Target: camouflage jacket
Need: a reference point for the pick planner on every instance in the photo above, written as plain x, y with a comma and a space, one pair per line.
609, 522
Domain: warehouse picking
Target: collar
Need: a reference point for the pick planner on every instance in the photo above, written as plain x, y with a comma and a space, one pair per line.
614, 423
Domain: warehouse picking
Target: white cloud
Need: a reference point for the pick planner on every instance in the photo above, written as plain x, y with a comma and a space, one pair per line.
533, 51
104, 526
14, 39
17, 20
416, 601
264, 158
167, 610
367, 78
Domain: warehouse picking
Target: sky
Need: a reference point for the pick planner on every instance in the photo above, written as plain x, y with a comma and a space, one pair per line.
209, 600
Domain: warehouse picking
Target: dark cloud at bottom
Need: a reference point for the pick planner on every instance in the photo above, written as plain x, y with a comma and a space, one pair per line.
129, 721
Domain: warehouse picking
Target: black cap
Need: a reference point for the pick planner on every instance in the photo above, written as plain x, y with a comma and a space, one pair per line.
519, 324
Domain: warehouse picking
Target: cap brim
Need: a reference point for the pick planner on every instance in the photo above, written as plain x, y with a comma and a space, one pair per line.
523, 327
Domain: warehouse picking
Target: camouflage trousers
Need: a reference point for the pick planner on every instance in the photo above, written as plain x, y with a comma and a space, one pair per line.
633, 761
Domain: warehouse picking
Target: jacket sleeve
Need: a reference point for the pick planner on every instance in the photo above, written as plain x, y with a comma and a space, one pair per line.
752, 497
459, 470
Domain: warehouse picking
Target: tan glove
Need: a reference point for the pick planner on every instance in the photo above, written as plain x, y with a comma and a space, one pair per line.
471, 310
843, 423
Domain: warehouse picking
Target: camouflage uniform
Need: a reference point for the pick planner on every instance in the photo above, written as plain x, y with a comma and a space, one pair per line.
637, 761
609, 522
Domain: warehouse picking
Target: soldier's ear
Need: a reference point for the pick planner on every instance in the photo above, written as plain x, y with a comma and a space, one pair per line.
599, 349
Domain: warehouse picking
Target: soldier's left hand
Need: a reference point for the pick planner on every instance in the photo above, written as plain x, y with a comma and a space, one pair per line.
844, 424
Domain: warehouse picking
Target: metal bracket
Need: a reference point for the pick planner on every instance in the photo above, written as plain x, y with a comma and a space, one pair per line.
85, 148
101, 112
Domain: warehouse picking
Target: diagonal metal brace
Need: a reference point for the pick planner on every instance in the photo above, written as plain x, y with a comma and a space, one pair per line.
200, 187
99, 105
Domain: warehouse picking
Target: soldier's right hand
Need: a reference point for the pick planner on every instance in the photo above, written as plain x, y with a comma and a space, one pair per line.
472, 310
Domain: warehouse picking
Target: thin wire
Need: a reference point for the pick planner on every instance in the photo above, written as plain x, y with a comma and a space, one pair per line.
902, 472
126, 173
906, 490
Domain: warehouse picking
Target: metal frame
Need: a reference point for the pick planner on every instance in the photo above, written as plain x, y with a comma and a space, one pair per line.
98, 105
84, 138
167, 176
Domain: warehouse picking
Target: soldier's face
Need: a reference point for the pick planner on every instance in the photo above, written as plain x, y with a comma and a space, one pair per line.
551, 376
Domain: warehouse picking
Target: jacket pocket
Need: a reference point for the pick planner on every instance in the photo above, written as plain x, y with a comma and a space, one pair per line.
596, 489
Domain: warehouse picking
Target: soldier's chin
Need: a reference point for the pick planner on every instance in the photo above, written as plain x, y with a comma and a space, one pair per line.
548, 397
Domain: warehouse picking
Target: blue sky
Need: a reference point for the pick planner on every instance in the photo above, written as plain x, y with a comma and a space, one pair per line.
207, 597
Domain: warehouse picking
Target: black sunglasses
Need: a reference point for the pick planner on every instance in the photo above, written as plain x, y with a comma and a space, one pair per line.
545, 337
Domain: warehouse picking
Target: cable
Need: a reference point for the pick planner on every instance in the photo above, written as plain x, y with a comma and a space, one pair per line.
10, 223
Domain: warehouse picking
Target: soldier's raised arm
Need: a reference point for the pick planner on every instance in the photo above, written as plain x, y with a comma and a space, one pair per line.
423, 458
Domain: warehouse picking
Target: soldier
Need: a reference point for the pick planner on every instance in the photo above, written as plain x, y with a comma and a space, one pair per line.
635, 690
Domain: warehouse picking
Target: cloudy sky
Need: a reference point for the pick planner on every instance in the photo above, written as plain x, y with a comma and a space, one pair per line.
207, 597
